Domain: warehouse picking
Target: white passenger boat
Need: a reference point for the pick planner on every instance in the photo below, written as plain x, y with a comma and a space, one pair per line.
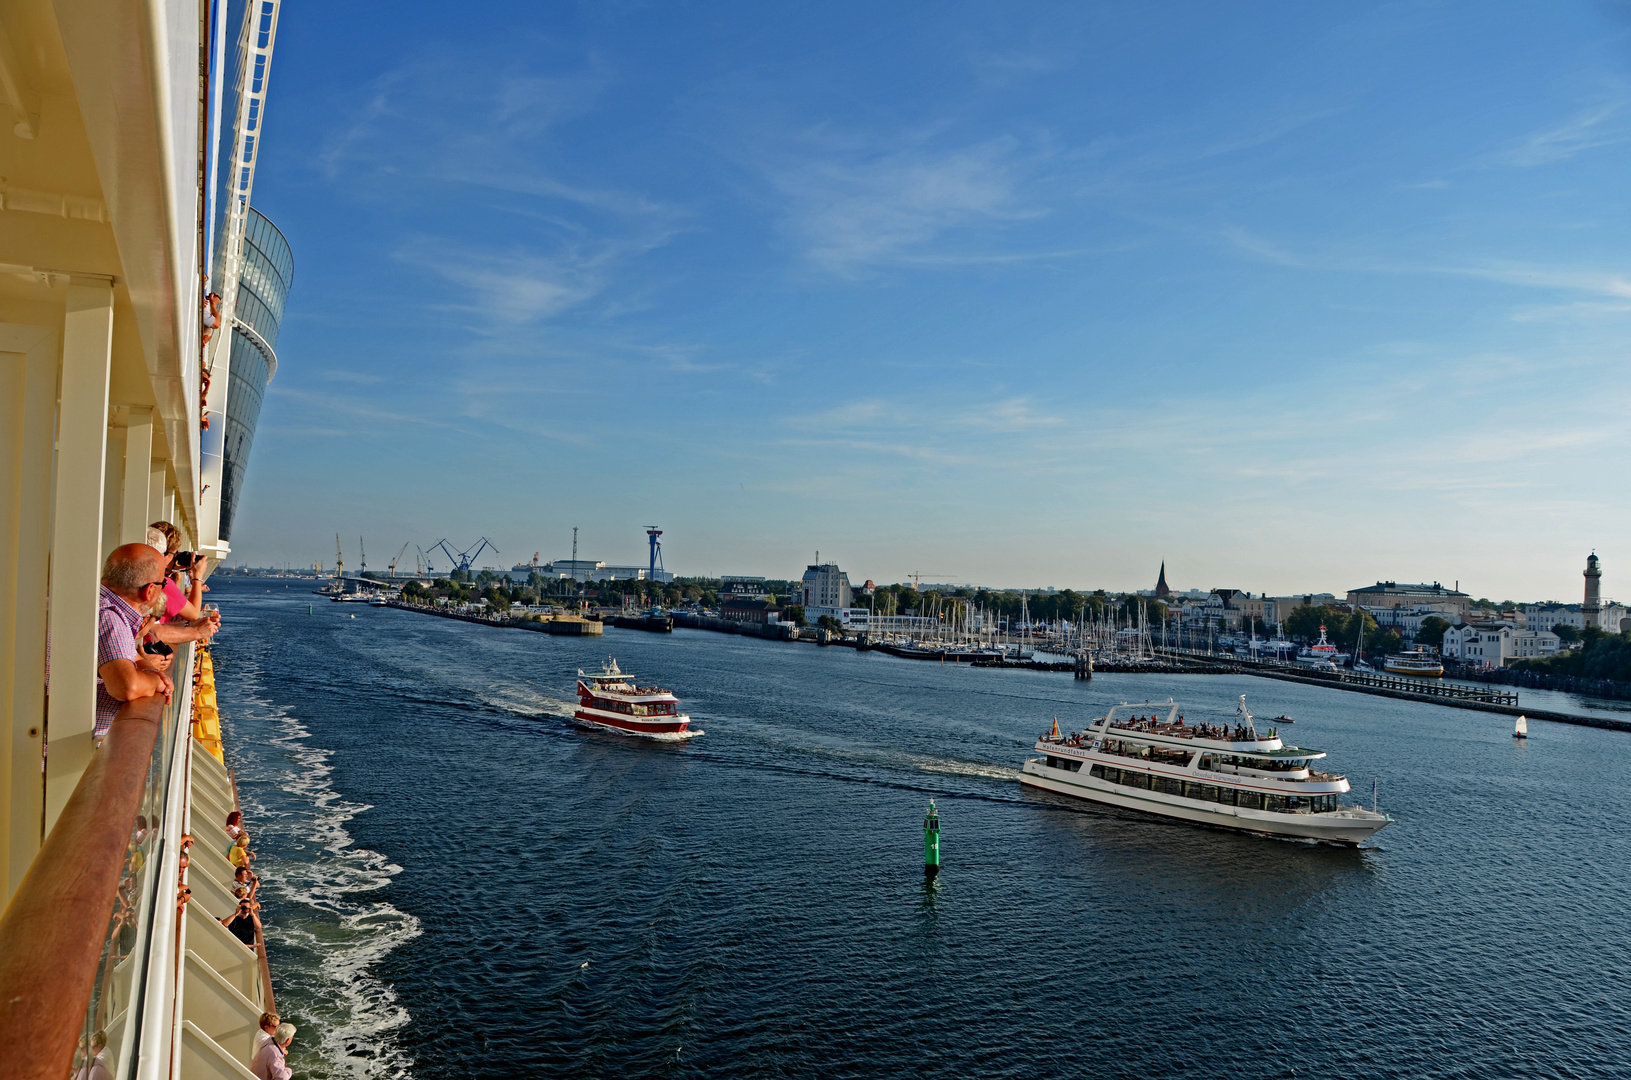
610, 698
1229, 775
1418, 661
1321, 653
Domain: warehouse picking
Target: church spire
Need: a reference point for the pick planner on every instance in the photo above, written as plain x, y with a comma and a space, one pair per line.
1162, 591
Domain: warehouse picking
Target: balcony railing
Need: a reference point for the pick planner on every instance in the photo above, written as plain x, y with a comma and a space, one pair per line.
76, 939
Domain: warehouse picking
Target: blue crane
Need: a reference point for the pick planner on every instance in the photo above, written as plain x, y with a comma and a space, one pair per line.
463, 559
652, 533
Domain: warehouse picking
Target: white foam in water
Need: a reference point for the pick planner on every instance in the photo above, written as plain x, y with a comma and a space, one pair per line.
358, 1011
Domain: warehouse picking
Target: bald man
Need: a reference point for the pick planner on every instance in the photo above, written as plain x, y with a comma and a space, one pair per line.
132, 582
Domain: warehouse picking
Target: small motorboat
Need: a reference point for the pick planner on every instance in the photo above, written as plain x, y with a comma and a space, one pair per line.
1282, 719
1522, 729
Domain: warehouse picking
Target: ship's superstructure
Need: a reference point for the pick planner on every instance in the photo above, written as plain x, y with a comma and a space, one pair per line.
116, 377
1144, 757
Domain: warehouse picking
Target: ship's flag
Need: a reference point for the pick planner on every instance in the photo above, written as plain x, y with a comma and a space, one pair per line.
1055, 734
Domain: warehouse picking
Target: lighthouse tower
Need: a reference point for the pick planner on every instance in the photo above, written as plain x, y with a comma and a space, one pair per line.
1591, 611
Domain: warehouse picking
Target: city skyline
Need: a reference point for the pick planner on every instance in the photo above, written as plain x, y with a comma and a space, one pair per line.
858, 575
1280, 296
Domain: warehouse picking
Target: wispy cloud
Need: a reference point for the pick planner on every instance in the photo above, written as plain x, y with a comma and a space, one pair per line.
448, 119
1595, 282
508, 288
1588, 129
856, 203
1263, 249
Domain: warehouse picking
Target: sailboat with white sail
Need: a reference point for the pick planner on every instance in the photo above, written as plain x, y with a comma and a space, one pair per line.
1522, 729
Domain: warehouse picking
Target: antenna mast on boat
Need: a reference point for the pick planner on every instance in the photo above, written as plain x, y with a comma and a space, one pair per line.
1245, 715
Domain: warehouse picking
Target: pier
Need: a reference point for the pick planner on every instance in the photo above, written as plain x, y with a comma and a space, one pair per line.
1346, 679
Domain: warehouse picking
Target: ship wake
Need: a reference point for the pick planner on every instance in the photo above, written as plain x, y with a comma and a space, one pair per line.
328, 934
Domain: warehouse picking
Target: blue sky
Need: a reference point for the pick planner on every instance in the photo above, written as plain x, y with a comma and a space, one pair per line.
1294, 297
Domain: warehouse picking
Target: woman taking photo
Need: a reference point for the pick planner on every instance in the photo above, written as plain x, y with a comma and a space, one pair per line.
184, 618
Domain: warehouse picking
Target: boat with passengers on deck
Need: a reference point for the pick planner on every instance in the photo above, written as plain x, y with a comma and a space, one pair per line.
611, 698
1144, 757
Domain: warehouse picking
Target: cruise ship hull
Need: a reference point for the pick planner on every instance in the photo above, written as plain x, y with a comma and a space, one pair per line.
1348, 826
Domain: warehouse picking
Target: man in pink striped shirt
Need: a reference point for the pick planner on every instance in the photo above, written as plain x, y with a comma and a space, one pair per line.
132, 581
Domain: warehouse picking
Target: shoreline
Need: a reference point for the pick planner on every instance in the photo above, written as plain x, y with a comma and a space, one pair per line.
749, 630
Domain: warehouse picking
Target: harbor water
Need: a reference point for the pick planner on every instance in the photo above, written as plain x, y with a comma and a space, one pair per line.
459, 882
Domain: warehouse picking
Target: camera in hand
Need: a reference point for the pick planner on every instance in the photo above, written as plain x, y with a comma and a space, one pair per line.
185, 559
156, 648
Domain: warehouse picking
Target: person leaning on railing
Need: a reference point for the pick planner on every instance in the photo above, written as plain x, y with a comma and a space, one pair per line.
243, 921
183, 617
132, 581
269, 1061
269, 1026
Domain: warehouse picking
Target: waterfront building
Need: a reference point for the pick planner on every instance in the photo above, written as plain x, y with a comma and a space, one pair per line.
1235, 609
108, 155
589, 570
748, 588
825, 590
1273, 611
1407, 620
744, 609
1388, 594
1551, 615
1496, 644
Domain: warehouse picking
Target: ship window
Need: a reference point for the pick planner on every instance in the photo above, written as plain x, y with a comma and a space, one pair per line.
1168, 786
1276, 803
1252, 800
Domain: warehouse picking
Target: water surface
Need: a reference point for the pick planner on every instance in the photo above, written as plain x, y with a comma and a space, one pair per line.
462, 883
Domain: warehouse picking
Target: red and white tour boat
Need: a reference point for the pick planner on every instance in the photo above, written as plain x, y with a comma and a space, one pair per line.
610, 698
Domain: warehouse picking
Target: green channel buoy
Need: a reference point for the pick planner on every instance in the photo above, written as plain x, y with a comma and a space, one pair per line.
308, 609
931, 841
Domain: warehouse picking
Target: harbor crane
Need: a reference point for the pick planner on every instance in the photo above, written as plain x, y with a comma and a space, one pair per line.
363, 571
463, 559
339, 559
398, 559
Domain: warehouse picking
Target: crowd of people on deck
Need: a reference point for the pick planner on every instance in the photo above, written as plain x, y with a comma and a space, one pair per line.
142, 614
273, 1038
1233, 733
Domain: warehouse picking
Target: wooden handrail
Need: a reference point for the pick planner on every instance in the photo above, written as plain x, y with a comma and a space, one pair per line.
52, 934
